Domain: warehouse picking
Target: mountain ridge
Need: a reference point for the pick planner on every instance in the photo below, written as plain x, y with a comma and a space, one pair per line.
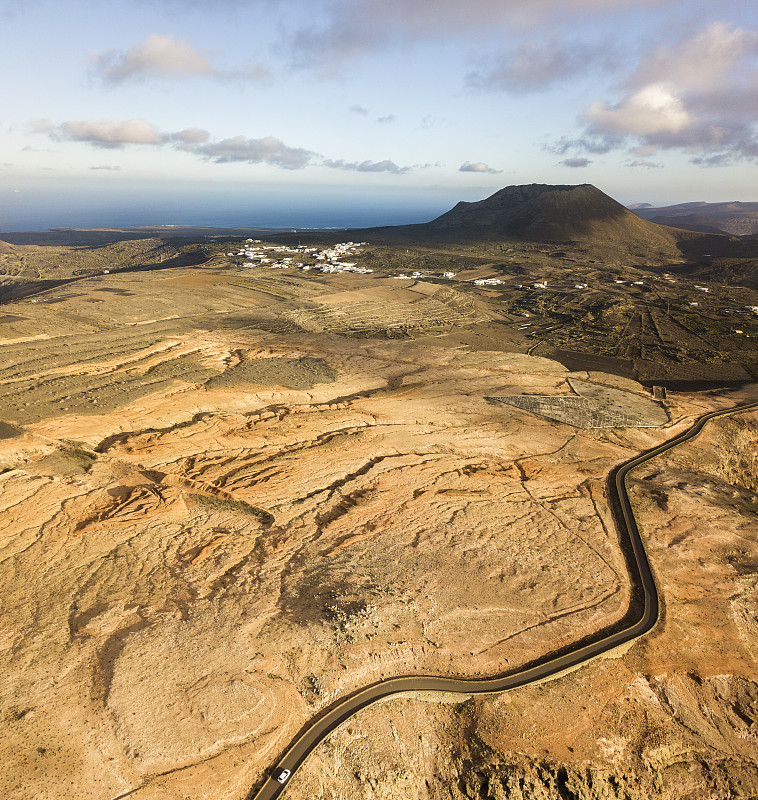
732, 217
563, 214
543, 212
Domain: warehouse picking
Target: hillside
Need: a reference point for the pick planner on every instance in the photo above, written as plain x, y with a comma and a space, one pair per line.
539, 212
581, 217
23, 266
689, 222
735, 218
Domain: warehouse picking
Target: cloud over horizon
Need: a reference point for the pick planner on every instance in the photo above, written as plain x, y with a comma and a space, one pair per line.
643, 163
111, 134
268, 150
430, 98
699, 96
478, 166
366, 166
575, 163
166, 56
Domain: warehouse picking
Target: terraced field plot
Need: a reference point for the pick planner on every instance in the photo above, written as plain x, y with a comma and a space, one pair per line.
593, 406
662, 331
386, 308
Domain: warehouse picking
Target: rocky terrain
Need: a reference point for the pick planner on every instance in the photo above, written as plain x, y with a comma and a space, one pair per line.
676, 716
231, 495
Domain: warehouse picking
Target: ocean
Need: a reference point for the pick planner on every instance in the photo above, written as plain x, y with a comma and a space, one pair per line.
36, 212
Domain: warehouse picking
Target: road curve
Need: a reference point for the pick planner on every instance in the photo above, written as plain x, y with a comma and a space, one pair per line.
640, 618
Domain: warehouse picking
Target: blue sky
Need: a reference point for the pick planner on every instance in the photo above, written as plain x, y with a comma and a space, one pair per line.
169, 109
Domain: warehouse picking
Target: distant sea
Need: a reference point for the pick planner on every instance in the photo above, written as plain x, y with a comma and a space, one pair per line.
309, 221
31, 216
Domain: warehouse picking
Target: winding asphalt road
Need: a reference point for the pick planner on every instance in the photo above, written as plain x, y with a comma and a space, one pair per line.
640, 618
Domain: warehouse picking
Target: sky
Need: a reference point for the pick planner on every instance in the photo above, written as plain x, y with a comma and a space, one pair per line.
338, 112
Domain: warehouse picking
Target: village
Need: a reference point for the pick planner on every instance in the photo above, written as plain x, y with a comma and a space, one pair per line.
334, 259
311, 258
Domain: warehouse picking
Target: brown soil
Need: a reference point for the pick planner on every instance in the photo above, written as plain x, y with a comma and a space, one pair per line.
215, 522
676, 716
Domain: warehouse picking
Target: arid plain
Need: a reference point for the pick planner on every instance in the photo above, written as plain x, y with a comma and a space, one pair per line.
231, 494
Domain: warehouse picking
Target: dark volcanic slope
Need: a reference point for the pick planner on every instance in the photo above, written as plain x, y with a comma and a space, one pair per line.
581, 216
543, 213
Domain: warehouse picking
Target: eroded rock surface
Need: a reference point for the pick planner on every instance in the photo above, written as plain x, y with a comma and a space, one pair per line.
676, 716
213, 525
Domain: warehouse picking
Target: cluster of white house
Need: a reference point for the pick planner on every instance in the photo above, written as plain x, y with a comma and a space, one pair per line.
536, 285
257, 253
414, 276
329, 260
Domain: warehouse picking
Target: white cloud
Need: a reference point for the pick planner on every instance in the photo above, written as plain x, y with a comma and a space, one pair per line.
643, 163
700, 62
366, 166
191, 136
158, 56
575, 163
651, 110
478, 166
166, 56
116, 134
268, 150
717, 160
699, 96
189, 139
107, 133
